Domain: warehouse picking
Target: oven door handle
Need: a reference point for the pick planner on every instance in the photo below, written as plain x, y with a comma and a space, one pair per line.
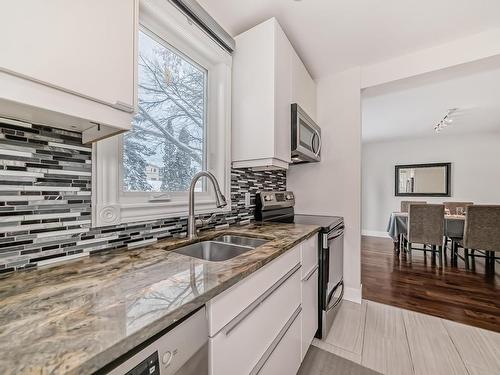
335, 234
338, 300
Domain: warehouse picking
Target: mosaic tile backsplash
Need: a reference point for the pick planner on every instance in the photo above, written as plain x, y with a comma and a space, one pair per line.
45, 200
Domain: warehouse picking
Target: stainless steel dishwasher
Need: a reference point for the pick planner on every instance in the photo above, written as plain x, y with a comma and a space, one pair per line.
182, 350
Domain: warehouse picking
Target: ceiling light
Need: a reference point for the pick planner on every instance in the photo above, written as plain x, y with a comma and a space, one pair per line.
445, 121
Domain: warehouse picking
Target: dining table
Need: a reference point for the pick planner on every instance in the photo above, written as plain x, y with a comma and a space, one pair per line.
398, 224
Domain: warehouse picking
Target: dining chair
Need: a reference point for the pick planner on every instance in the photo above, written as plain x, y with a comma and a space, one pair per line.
404, 208
426, 227
406, 204
481, 233
453, 208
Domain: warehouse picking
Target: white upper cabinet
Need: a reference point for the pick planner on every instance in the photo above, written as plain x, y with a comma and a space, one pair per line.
263, 90
303, 87
262, 68
69, 63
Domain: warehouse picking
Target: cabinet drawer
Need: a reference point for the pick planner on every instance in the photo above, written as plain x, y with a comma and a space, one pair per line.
285, 359
309, 309
227, 305
242, 342
309, 254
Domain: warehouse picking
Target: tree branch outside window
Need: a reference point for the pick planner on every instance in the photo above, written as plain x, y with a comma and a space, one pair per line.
169, 128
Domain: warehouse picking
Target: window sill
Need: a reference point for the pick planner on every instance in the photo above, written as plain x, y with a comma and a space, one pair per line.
114, 214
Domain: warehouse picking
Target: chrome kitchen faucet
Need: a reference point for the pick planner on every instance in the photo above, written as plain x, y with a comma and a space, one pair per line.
220, 201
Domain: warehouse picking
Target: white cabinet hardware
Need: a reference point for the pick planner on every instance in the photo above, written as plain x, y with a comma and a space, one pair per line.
310, 273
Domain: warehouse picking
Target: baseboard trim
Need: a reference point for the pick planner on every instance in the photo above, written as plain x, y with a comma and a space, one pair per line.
353, 294
374, 233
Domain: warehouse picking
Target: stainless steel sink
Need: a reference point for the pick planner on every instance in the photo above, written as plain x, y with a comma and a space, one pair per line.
241, 240
221, 248
213, 251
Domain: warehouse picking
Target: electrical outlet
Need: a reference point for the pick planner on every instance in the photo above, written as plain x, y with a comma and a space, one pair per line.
247, 200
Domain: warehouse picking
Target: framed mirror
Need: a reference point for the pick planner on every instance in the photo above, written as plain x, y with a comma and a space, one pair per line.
423, 180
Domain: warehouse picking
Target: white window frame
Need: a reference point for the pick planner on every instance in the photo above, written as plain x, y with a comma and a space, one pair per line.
111, 205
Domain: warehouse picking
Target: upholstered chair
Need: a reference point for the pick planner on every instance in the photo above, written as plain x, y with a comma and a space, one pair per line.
404, 208
406, 204
453, 206
426, 227
482, 232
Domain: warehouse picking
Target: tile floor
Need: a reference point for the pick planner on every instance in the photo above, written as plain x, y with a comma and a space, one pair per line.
320, 362
391, 340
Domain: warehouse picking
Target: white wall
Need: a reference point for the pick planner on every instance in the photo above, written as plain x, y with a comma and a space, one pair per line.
475, 172
333, 186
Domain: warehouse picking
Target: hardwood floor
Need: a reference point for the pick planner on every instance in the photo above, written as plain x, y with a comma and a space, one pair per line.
453, 293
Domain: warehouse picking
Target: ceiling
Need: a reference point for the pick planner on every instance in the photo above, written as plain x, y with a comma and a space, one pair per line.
410, 108
333, 35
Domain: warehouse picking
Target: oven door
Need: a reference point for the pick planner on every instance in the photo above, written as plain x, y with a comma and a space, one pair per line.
331, 284
335, 260
306, 137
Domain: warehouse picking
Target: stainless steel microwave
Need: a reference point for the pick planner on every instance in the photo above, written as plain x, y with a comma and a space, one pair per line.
306, 137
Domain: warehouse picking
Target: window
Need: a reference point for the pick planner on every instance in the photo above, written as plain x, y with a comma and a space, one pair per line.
182, 125
165, 147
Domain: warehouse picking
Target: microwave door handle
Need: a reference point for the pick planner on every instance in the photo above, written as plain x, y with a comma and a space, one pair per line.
316, 134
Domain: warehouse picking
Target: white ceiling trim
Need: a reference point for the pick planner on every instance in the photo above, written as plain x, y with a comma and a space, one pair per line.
465, 50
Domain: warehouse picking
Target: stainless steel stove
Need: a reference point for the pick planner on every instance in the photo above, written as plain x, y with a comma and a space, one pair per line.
278, 206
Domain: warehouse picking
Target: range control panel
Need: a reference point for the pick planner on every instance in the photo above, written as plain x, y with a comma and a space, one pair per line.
275, 199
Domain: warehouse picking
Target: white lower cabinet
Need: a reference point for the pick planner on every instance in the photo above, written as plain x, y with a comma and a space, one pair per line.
285, 359
309, 308
243, 341
265, 323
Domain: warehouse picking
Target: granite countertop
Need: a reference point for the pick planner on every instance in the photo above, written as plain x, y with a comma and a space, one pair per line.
78, 316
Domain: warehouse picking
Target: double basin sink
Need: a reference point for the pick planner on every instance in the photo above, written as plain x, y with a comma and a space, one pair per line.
221, 248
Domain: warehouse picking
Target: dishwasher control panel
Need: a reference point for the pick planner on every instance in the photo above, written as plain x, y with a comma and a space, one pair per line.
150, 366
182, 350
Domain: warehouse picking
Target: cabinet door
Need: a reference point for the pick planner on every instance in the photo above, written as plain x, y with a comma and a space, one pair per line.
309, 309
226, 306
283, 98
303, 87
84, 47
285, 359
309, 251
243, 342
253, 94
